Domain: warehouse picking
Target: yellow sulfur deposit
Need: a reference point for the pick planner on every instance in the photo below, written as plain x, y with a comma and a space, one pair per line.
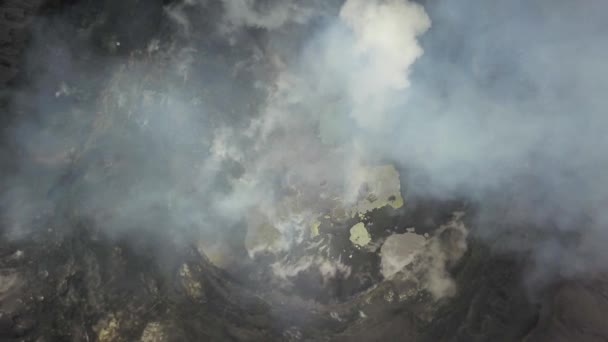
359, 235
314, 229
379, 187
109, 332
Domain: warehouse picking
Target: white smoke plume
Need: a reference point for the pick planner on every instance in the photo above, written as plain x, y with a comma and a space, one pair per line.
500, 104
385, 46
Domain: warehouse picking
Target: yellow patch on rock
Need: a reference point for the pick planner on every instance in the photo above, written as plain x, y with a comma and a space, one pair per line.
109, 330
314, 229
359, 235
379, 186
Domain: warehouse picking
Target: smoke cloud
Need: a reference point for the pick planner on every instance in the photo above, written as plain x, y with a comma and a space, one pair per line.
197, 130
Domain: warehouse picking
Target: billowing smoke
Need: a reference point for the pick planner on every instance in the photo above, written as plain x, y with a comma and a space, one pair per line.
220, 108
514, 120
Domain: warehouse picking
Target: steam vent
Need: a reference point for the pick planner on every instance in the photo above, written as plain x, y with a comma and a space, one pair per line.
303, 170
